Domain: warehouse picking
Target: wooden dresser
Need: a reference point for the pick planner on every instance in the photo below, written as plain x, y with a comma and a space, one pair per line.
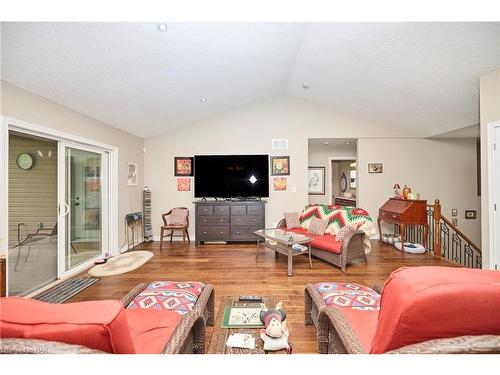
344, 201
228, 220
404, 212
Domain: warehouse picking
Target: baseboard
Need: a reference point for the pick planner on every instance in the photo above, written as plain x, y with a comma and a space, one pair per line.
176, 239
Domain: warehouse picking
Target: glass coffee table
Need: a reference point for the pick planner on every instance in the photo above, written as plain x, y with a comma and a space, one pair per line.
281, 242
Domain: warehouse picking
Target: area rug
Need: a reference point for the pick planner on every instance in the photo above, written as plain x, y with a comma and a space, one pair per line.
122, 263
66, 290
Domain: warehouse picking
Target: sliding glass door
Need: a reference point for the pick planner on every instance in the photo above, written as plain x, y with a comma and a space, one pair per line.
82, 208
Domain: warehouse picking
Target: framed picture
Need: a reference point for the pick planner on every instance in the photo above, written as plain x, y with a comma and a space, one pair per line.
375, 167
183, 184
454, 212
132, 174
279, 183
454, 221
280, 165
316, 180
183, 166
470, 214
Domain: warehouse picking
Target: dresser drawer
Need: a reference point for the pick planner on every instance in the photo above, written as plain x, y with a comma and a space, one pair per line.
238, 210
221, 210
213, 234
246, 220
254, 210
243, 233
205, 210
210, 221
390, 216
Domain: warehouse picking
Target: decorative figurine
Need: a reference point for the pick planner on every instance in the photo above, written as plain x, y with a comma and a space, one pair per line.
275, 332
406, 191
397, 192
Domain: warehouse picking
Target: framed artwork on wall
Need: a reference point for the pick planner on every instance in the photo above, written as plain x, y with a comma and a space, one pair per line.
279, 183
375, 167
183, 184
316, 181
280, 165
132, 174
183, 166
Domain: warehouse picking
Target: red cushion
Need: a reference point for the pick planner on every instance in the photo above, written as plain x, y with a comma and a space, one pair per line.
325, 242
363, 323
151, 329
100, 325
425, 303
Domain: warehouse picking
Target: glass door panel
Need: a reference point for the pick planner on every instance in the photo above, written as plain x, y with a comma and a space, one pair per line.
83, 205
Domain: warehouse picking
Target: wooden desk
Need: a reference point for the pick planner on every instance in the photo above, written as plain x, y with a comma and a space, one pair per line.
404, 212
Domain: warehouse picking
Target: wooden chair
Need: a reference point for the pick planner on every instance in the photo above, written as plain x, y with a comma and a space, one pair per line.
173, 227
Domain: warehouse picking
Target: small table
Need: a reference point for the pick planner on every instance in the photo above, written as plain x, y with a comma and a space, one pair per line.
219, 336
282, 242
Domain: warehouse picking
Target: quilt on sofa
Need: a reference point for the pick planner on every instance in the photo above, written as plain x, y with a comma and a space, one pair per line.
338, 217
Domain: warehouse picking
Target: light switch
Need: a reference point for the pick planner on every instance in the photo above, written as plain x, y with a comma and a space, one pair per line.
294, 189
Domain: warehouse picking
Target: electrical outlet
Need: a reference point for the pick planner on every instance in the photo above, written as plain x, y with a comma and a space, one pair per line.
294, 189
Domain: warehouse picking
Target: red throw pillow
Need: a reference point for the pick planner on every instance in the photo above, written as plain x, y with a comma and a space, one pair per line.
425, 303
100, 325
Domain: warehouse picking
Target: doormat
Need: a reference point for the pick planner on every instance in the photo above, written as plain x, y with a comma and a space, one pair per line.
66, 290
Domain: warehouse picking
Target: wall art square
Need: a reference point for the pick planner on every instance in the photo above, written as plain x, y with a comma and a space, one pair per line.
279, 183
470, 214
183, 166
375, 167
316, 181
183, 184
280, 165
132, 174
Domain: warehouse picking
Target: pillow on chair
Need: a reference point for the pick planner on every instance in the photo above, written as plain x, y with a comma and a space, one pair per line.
318, 226
178, 216
292, 220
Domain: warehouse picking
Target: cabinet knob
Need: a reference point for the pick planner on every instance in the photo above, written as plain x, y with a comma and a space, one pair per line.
205, 220
221, 232
204, 232
221, 220
254, 219
237, 232
394, 216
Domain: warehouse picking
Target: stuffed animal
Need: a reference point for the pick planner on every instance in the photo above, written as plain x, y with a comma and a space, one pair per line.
275, 332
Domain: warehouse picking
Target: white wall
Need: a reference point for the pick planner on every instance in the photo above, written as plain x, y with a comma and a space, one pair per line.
249, 130
26, 106
489, 95
319, 156
442, 169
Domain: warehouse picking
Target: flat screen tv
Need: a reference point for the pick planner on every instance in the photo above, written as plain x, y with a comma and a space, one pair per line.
231, 176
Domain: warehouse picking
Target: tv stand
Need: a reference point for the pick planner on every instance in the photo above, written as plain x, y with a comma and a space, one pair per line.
230, 221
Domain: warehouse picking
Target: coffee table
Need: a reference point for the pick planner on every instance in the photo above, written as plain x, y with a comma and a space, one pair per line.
281, 242
219, 337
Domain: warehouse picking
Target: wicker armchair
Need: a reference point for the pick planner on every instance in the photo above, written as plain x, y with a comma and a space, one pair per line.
352, 249
187, 338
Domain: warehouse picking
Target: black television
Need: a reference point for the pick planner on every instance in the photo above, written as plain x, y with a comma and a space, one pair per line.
231, 176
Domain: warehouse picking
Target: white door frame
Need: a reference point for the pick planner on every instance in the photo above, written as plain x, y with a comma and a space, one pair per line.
9, 123
330, 172
493, 162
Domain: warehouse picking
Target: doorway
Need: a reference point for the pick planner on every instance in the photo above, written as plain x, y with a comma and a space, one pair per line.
344, 182
58, 206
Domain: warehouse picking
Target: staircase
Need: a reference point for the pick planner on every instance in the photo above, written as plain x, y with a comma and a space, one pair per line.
445, 240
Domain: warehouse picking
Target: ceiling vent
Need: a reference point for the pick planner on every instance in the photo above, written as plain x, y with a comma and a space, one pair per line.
280, 144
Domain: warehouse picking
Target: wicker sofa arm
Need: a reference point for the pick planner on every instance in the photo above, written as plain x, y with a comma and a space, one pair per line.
32, 346
484, 344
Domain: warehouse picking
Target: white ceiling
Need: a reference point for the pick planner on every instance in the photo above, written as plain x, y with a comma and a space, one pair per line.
418, 76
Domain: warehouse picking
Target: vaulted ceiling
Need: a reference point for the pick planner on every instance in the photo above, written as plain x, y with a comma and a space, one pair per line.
418, 76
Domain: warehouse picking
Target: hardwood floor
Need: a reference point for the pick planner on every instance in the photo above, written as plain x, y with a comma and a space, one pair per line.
233, 270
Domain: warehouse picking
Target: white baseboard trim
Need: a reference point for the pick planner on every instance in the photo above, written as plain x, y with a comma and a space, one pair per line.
176, 239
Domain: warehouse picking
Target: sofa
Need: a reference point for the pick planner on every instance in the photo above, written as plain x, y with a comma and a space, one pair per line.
420, 310
153, 318
353, 248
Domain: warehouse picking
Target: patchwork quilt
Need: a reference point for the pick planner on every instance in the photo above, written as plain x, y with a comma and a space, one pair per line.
349, 295
338, 217
168, 295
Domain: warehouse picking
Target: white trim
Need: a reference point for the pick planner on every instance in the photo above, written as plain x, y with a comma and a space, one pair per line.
330, 171
493, 197
9, 123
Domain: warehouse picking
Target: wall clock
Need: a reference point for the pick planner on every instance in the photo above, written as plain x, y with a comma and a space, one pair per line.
25, 161
343, 183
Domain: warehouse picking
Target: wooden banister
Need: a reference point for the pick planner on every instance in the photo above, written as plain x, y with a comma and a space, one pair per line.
461, 234
436, 215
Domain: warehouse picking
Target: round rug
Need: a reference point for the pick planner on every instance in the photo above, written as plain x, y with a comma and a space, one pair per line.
122, 263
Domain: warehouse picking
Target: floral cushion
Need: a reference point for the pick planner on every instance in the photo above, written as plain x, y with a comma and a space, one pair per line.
318, 226
168, 295
292, 220
349, 295
178, 216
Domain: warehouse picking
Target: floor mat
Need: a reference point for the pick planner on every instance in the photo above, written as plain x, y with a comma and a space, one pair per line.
66, 290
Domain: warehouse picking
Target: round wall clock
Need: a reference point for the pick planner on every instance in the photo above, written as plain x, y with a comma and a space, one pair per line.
25, 161
343, 183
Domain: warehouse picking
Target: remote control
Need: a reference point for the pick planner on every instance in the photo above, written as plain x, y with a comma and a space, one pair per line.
250, 298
